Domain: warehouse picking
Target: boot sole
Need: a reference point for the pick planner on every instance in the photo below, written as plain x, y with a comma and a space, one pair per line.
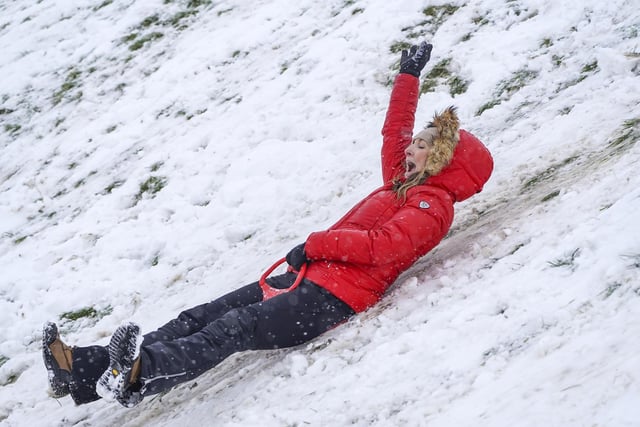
59, 379
124, 349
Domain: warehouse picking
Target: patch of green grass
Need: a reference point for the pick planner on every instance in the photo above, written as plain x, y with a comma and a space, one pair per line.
19, 240
519, 80
557, 60
115, 184
566, 110
157, 165
546, 42
148, 38
457, 85
437, 15
635, 260
399, 46
441, 73
60, 193
149, 21
79, 183
197, 3
487, 106
103, 4
86, 313
586, 69
11, 379
518, 10
176, 20
480, 20
547, 174
70, 83
129, 37
550, 196
440, 70
12, 129
4, 111
435, 75
191, 8
151, 186
284, 67
3, 359
79, 314
589, 68
611, 288
568, 260
224, 11
516, 248
626, 137
198, 112
508, 87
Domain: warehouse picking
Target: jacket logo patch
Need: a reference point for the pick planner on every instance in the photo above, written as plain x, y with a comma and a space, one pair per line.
424, 205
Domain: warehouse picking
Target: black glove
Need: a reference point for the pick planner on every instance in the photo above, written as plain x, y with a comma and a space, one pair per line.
296, 257
413, 62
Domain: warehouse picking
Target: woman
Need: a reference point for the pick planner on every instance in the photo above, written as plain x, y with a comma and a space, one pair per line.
347, 268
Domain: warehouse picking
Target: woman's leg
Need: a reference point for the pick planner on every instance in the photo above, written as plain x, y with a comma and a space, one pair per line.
194, 319
286, 320
89, 363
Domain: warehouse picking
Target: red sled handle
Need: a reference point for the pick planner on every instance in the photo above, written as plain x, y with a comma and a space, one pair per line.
268, 292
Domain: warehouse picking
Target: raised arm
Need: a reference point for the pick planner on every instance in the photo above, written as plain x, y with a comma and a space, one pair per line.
398, 125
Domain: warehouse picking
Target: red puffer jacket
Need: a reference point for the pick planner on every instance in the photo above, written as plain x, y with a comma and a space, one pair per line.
360, 256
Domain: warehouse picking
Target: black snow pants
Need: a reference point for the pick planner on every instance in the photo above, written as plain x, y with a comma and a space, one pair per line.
203, 336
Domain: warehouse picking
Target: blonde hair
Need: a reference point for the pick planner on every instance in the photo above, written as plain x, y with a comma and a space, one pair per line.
401, 188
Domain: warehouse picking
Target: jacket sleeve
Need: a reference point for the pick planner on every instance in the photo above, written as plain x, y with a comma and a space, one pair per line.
398, 125
412, 232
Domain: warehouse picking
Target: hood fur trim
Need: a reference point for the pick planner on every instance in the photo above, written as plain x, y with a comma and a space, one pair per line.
447, 124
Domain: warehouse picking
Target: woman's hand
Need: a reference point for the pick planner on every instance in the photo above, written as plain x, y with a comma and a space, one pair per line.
296, 257
413, 61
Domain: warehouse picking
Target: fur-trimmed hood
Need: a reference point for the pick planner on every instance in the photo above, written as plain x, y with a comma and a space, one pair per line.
458, 163
443, 131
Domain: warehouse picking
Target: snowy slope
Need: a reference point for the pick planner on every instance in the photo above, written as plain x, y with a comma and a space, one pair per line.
156, 154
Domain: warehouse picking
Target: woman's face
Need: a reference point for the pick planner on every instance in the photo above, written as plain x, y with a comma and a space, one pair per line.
416, 155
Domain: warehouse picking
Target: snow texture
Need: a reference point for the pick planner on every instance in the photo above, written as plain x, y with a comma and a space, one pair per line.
157, 154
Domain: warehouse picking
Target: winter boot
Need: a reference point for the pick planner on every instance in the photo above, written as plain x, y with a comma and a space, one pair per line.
120, 381
58, 359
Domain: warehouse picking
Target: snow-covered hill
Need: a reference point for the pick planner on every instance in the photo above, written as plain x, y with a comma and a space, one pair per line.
156, 154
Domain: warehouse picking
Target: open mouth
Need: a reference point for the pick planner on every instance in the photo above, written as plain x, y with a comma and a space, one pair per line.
410, 167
